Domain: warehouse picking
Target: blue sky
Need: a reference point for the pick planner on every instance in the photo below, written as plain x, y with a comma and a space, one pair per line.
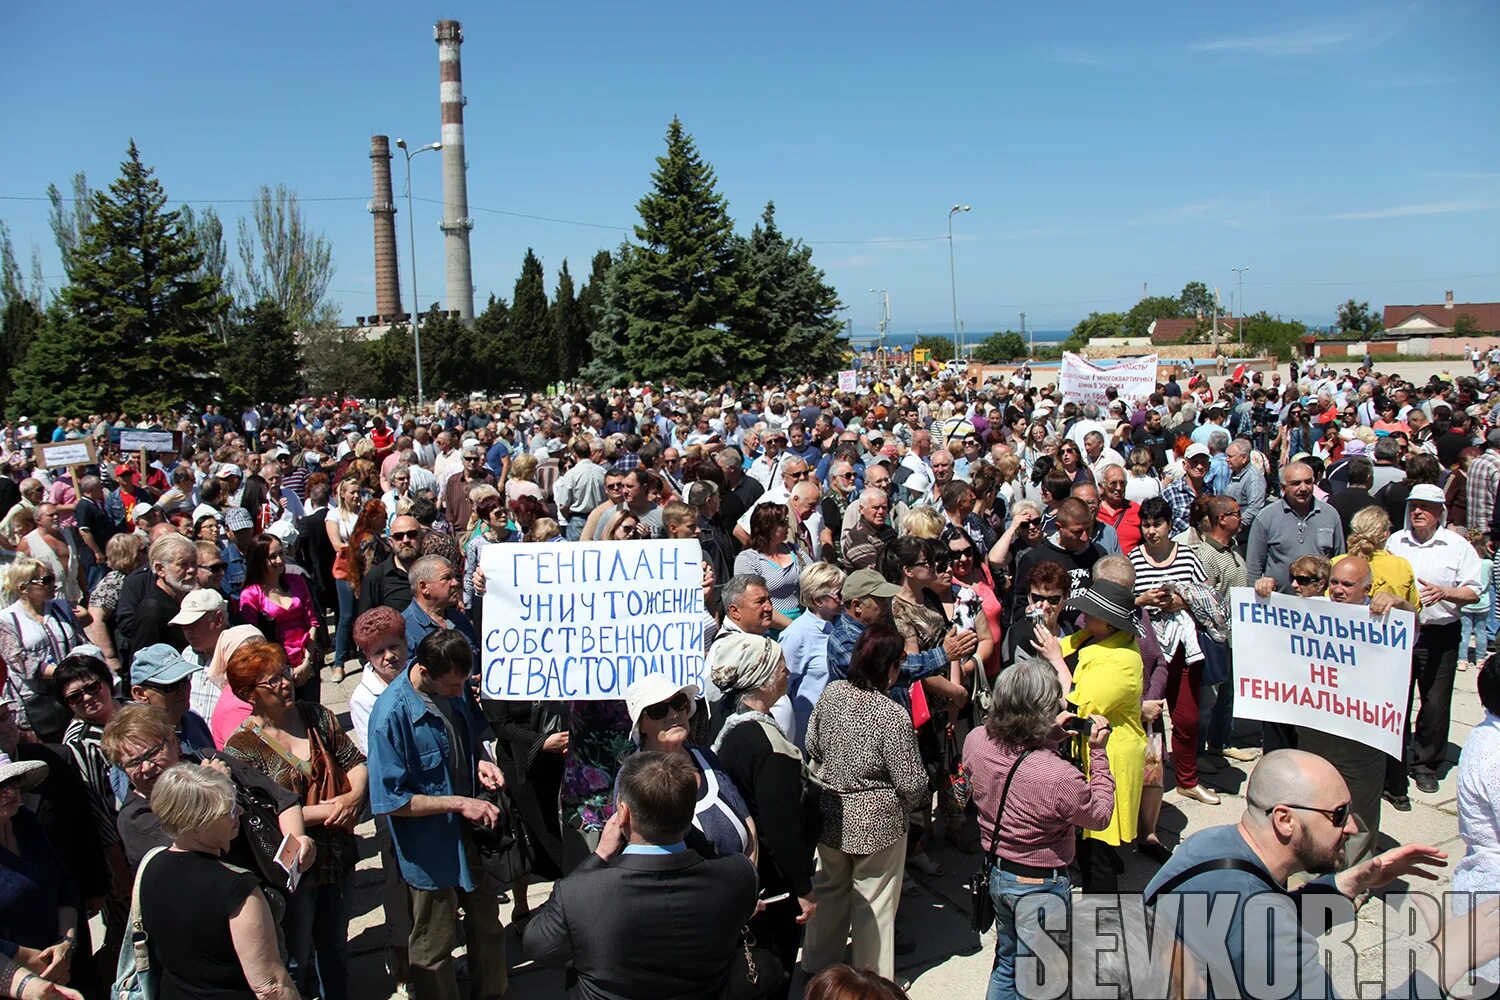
1336, 149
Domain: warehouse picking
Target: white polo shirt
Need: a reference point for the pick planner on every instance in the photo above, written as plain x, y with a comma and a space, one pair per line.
1446, 559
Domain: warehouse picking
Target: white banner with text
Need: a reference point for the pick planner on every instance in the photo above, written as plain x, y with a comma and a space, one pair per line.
1331, 667
1084, 382
580, 621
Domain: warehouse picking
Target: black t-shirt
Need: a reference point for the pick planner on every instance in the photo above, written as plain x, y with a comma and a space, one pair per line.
91, 518
186, 902
1157, 443
152, 622
1078, 565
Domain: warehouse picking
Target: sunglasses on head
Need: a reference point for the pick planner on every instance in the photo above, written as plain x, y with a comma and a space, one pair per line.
677, 703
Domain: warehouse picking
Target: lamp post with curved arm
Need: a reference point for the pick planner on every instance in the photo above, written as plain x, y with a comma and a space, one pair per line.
952, 274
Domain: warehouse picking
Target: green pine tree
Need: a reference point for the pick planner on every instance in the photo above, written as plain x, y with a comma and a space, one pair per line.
610, 322
491, 338
567, 326
59, 375
529, 354
794, 307
682, 294
138, 291
261, 360
387, 368
591, 304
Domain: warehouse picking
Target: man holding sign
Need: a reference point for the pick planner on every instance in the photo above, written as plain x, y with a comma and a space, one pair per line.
1361, 765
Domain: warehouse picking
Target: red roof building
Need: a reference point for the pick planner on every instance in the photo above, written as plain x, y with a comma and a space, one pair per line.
1172, 331
1437, 320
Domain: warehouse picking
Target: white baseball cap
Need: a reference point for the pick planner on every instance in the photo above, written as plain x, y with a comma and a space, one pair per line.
196, 604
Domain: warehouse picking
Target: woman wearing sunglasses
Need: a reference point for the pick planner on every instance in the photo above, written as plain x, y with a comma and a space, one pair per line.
1309, 575
37, 630
83, 681
1070, 460
659, 713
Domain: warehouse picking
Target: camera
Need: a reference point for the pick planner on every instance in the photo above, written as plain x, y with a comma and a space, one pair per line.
1081, 724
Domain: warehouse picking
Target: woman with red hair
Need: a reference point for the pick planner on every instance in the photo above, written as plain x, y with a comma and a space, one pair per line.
303, 749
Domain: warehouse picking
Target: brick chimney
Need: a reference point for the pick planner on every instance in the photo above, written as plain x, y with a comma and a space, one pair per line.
1447, 300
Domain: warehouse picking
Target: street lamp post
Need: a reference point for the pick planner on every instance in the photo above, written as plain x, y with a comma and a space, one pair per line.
885, 318
411, 231
952, 275
1239, 319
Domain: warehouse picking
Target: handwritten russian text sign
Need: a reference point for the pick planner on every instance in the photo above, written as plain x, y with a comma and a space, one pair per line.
581, 621
1085, 382
1332, 667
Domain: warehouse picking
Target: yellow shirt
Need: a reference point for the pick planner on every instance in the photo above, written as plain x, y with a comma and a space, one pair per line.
1391, 574
1108, 681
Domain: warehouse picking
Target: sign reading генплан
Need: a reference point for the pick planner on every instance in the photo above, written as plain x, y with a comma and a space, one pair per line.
581, 621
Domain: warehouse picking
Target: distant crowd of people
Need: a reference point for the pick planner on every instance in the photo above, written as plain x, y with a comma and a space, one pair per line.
940, 617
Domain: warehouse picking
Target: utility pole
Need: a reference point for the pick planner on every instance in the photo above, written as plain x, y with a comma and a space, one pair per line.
1239, 319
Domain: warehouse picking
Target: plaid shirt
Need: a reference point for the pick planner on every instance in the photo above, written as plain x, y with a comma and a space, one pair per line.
1484, 482
1180, 495
846, 632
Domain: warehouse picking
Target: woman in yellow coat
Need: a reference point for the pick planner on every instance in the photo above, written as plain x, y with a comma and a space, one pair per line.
1102, 672
1389, 573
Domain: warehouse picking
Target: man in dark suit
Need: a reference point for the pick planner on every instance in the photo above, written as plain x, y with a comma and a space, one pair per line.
645, 916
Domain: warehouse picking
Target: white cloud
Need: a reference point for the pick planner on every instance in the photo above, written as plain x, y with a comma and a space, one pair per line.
1418, 208
1352, 34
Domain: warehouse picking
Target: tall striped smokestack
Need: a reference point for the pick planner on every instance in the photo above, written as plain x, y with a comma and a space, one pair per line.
383, 207
456, 222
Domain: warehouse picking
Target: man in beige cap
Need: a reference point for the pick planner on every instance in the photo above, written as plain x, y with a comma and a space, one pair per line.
202, 619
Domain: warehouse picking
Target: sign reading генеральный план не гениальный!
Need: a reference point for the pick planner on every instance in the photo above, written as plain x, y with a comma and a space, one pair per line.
581, 621
1332, 667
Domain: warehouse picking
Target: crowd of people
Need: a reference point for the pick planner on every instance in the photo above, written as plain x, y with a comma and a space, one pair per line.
939, 611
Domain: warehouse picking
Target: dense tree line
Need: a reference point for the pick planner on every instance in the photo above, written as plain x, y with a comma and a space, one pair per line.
157, 313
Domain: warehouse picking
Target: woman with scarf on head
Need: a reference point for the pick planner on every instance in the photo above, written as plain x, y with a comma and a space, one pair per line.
767, 769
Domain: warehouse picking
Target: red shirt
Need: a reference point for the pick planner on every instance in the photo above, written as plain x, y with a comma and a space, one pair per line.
1126, 522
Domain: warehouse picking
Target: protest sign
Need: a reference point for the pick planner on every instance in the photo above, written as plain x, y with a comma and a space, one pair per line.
584, 620
1332, 667
61, 454
847, 381
150, 440
1084, 382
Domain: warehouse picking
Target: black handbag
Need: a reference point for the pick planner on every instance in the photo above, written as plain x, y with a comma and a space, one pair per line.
504, 852
756, 972
981, 904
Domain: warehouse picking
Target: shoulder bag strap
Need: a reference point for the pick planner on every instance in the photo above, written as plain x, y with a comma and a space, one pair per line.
1214, 865
139, 942
1004, 794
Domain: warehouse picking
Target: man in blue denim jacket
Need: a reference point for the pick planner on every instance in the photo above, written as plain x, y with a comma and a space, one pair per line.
426, 760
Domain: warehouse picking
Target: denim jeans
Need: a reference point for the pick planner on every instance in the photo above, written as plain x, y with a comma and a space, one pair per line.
343, 633
317, 938
1477, 624
1006, 890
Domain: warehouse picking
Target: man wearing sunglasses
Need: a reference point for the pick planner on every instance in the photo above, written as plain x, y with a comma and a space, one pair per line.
1297, 819
386, 585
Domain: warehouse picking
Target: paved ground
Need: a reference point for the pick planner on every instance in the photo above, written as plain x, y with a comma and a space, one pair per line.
949, 960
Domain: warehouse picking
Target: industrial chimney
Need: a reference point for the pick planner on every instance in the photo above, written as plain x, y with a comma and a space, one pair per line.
387, 270
456, 221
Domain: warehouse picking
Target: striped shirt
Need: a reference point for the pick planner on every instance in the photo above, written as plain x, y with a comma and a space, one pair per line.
82, 741
1183, 568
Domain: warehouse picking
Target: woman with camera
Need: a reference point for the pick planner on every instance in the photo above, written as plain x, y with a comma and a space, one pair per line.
1032, 801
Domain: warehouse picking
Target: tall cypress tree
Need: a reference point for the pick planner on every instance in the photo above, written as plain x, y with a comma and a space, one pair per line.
261, 360
491, 332
794, 307
591, 303
567, 326
530, 347
138, 292
680, 290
